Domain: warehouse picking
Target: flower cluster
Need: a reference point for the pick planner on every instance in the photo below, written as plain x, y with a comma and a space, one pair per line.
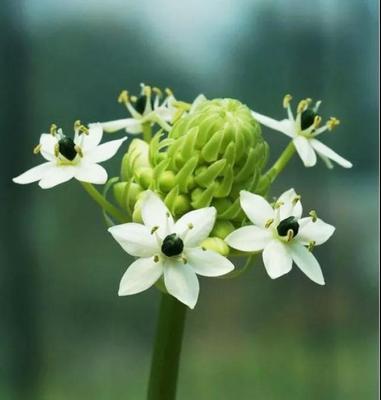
193, 189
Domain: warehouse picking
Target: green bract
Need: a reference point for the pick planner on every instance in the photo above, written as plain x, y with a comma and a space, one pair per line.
207, 158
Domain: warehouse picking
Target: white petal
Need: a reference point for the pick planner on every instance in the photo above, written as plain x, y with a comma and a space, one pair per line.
318, 231
89, 172
140, 275
289, 207
92, 138
285, 125
156, 214
202, 222
104, 151
305, 151
249, 238
57, 175
34, 174
277, 259
307, 262
134, 126
256, 208
181, 282
327, 152
113, 126
135, 239
48, 143
207, 262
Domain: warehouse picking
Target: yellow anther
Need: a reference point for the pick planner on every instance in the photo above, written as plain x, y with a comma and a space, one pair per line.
296, 199
53, 129
303, 105
269, 222
123, 97
317, 121
83, 129
313, 215
278, 204
56, 150
168, 92
147, 90
332, 123
286, 100
37, 149
290, 235
154, 229
78, 150
157, 91
311, 245
156, 259
133, 99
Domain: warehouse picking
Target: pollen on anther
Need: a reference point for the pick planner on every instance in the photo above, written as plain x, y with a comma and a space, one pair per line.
269, 222
154, 229
37, 149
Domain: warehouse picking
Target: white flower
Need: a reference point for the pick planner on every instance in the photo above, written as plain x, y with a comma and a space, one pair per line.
282, 234
68, 158
170, 249
303, 130
145, 110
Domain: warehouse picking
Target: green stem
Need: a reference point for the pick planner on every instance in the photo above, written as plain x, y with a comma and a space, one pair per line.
106, 205
167, 348
270, 176
147, 132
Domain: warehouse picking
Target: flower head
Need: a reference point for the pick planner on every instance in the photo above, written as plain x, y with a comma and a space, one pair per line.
68, 158
282, 235
169, 249
146, 108
303, 129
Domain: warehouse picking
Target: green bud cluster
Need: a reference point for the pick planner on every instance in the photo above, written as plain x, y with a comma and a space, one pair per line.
207, 158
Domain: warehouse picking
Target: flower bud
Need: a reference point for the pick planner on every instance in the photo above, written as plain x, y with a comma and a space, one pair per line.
222, 229
216, 244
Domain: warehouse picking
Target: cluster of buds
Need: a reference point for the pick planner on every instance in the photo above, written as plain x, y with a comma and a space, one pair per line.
208, 157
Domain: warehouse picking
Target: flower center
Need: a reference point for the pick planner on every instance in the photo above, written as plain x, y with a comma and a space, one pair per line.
287, 224
140, 104
66, 147
172, 245
307, 118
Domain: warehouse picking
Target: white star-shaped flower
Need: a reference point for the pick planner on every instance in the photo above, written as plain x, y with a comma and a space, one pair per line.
170, 249
144, 109
281, 234
303, 129
69, 158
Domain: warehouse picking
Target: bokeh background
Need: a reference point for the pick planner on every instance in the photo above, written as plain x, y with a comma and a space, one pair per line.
64, 333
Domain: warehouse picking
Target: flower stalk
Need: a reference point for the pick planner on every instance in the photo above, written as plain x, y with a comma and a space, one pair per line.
105, 205
167, 349
279, 165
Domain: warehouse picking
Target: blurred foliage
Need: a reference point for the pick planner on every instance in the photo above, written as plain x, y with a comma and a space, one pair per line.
64, 333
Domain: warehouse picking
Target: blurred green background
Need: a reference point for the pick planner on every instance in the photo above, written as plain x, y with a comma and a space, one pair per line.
64, 332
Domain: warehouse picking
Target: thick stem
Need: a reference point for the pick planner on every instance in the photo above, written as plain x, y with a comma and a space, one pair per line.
167, 349
106, 205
